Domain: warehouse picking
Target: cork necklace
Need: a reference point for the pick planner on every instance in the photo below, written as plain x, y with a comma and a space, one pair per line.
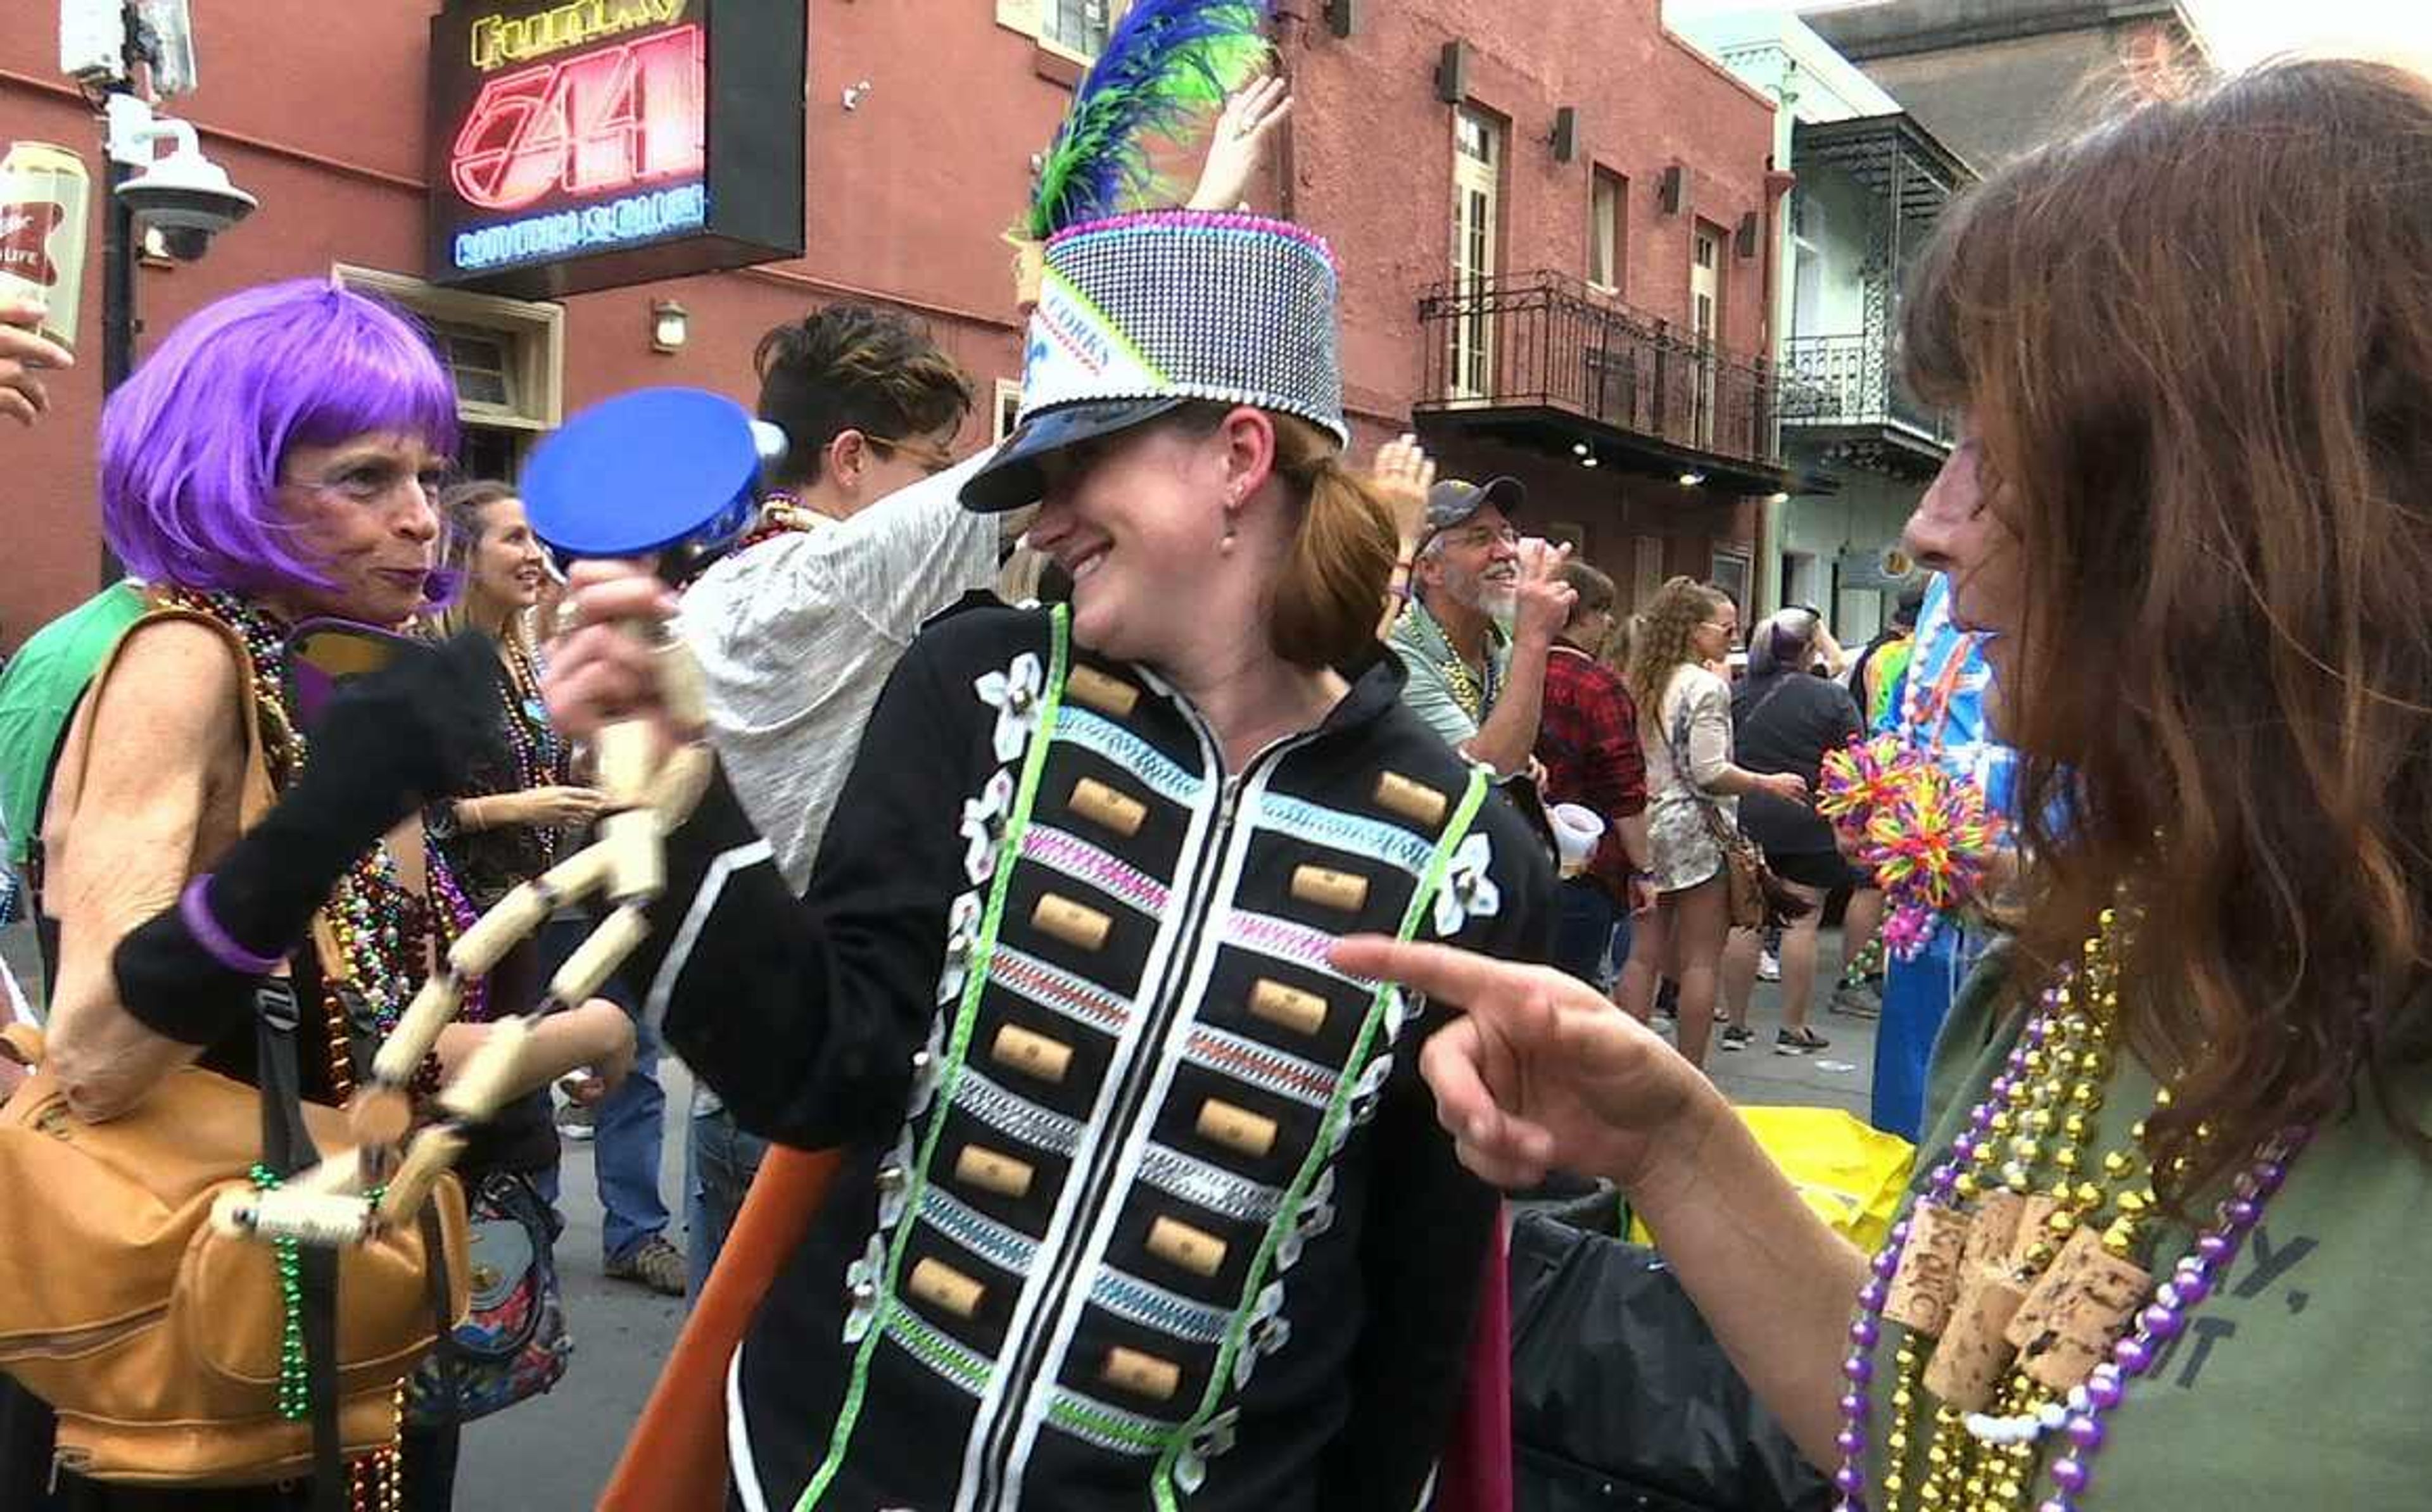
2025, 1314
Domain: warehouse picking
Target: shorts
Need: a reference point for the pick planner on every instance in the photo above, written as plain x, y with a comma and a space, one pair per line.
1823, 870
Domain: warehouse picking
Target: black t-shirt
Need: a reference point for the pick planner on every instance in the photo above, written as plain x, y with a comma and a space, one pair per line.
1786, 722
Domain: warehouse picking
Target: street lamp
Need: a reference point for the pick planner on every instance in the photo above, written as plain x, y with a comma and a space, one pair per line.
127, 54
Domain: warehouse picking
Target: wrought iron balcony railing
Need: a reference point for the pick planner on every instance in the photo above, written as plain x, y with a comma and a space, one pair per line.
1545, 339
1851, 380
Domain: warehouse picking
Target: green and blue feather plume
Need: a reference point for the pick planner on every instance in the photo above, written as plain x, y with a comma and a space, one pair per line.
1166, 67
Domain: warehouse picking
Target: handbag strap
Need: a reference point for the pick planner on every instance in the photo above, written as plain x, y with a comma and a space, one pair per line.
1710, 809
287, 1147
443, 1346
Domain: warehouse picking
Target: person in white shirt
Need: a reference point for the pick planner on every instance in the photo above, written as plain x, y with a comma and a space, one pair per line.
797, 628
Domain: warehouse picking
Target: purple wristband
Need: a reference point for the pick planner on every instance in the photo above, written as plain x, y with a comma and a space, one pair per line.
195, 910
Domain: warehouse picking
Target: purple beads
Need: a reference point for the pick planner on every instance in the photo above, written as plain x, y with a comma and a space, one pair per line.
2102, 1388
2190, 1283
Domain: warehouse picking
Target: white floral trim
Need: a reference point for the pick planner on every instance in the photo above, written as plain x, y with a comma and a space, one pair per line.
865, 1283
1316, 1216
982, 827
1014, 693
1217, 1437
1469, 891
963, 919
1269, 1332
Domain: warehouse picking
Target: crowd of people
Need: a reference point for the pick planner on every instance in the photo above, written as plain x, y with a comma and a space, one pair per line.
1189, 877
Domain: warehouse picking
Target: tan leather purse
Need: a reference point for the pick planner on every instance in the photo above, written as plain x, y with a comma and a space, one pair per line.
156, 1337
153, 1336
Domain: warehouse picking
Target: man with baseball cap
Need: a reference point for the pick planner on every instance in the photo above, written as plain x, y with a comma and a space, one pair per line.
1482, 617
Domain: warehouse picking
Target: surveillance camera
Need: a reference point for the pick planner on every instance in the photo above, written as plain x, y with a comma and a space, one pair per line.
185, 196
187, 191
186, 243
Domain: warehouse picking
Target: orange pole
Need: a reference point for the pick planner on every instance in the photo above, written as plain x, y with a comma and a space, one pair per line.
676, 1460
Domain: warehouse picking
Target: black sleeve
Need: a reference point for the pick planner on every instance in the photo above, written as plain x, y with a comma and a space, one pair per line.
803, 1015
1424, 1250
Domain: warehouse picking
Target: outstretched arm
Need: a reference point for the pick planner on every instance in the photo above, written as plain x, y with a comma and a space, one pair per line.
1542, 1074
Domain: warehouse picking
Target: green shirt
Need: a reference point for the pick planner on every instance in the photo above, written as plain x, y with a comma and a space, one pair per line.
1434, 691
2304, 1380
37, 695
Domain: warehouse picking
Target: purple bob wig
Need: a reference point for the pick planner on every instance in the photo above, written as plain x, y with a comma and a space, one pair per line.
191, 445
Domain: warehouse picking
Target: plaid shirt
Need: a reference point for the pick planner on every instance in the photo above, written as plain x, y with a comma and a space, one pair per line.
1587, 737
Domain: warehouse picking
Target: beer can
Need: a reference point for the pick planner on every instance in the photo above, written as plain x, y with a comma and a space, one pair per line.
44, 197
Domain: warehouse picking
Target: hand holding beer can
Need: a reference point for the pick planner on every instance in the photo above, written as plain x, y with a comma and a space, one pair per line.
45, 199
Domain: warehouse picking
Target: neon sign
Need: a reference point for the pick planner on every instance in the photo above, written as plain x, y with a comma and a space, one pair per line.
581, 144
629, 113
500, 40
636, 218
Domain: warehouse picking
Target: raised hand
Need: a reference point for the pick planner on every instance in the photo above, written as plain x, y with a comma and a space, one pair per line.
1544, 599
599, 671
1238, 144
1403, 473
24, 356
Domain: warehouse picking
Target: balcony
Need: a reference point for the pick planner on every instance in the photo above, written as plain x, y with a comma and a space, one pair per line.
1843, 393
1542, 360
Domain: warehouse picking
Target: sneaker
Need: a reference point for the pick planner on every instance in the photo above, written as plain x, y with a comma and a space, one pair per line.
1858, 1000
654, 1263
1737, 1037
1799, 1041
1768, 966
575, 1122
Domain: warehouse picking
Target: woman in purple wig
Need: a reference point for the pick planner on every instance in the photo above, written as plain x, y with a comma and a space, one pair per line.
274, 462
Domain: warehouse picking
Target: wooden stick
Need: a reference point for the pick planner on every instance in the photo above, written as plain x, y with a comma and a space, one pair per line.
432, 1153
637, 866
432, 1009
488, 1077
618, 935
524, 909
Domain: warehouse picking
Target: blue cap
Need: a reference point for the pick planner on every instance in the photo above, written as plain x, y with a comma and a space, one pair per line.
644, 472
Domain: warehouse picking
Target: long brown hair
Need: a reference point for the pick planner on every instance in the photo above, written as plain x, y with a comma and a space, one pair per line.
1662, 645
461, 527
2196, 344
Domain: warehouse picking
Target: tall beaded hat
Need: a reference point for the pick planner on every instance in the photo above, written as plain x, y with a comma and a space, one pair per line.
1141, 314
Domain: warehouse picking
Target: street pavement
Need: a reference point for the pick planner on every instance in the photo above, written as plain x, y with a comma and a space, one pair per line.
553, 1454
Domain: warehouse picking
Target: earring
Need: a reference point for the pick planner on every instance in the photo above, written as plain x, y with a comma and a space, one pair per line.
1224, 547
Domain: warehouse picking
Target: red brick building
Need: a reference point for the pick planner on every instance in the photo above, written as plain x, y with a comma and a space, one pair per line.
1604, 187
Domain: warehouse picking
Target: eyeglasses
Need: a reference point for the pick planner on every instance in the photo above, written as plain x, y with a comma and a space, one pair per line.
931, 460
374, 479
